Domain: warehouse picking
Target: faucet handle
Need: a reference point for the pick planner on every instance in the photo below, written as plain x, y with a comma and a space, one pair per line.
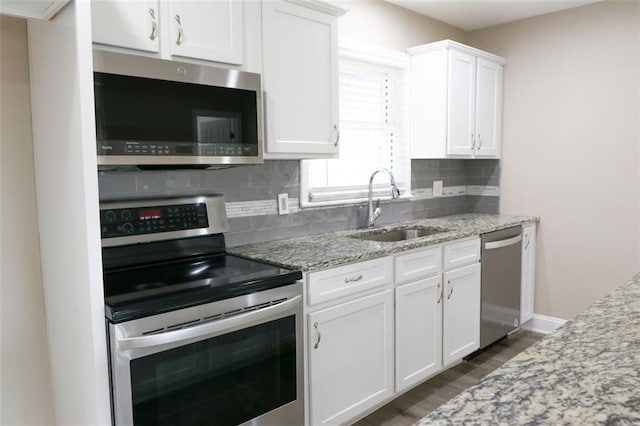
376, 212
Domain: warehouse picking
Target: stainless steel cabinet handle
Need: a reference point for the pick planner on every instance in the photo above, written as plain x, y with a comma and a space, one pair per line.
440, 293
450, 289
335, 128
526, 244
179, 39
473, 142
353, 279
317, 327
503, 243
152, 36
479, 141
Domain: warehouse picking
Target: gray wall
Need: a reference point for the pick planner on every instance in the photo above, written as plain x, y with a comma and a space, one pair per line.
257, 186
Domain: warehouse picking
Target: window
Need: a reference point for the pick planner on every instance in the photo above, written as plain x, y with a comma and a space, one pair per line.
372, 131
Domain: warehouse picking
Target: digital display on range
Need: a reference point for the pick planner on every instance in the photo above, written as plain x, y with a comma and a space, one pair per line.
149, 220
146, 214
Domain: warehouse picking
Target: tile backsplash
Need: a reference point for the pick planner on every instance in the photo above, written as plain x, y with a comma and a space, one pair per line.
470, 186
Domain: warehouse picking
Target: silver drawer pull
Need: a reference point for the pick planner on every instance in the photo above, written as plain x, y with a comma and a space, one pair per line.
353, 279
317, 327
337, 132
152, 36
450, 290
440, 293
179, 21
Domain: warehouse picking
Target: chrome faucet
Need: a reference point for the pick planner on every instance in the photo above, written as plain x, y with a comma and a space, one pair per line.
395, 193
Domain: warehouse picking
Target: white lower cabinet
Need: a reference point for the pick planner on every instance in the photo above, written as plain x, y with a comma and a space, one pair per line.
350, 351
528, 279
461, 313
364, 350
418, 331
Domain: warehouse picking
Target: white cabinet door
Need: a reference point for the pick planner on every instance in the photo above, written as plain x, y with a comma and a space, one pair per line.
461, 103
350, 349
124, 23
488, 108
418, 331
208, 30
461, 317
527, 290
458, 88
300, 65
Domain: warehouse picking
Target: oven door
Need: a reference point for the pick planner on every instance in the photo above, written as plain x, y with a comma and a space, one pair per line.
230, 362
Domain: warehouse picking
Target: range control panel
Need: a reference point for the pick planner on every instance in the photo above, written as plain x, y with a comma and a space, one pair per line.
120, 222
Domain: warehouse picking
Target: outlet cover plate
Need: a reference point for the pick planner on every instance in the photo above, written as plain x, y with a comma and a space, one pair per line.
283, 204
437, 188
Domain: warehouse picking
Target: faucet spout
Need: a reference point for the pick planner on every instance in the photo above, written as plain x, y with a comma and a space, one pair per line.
395, 193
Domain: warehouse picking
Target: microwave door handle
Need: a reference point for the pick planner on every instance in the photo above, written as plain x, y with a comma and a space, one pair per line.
172, 337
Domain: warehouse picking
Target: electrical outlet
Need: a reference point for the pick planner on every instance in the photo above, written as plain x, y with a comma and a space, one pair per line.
437, 188
283, 203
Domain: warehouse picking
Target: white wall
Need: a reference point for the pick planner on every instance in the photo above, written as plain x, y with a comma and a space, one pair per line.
24, 368
571, 140
387, 25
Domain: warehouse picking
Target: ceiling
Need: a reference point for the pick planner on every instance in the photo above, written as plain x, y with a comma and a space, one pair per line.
477, 14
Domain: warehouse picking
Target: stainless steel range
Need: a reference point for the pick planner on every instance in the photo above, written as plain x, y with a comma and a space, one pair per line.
196, 335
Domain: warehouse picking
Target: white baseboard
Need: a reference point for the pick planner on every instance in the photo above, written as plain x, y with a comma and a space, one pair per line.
543, 324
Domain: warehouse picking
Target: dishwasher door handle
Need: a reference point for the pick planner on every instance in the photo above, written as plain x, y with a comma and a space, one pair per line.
503, 243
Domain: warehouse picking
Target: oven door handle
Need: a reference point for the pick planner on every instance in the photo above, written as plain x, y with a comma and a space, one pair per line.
223, 325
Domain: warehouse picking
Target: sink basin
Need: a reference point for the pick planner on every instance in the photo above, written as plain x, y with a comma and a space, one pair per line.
395, 235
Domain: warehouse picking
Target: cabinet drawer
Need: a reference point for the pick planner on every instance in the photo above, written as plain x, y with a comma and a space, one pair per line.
461, 253
418, 264
349, 279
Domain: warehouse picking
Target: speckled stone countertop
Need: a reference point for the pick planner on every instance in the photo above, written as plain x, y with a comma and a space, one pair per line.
320, 251
587, 372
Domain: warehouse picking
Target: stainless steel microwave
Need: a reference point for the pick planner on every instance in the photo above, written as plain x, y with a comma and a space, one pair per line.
156, 112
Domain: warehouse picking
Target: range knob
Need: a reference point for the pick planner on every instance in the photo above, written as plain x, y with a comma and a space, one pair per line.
125, 215
127, 228
109, 216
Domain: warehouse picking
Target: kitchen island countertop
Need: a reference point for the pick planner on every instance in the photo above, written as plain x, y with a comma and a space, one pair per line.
327, 250
587, 372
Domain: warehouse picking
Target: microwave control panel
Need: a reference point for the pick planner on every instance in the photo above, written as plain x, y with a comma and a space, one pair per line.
149, 220
138, 148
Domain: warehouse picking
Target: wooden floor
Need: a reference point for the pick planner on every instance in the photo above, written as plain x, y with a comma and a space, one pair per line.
421, 400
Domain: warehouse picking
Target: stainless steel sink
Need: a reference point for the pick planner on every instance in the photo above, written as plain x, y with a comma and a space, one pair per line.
394, 235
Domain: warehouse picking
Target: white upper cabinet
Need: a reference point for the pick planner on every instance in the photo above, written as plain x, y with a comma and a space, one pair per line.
456, 101
488, 101
461, 103
129, 24
300, 77
209, 30
204, 30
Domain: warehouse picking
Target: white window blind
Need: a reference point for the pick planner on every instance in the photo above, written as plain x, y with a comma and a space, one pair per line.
372, 134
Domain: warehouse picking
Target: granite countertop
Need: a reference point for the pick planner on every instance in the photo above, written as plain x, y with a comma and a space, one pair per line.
321, 251
587, 372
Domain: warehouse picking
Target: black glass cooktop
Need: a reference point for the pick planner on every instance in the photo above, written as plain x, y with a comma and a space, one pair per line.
137, 291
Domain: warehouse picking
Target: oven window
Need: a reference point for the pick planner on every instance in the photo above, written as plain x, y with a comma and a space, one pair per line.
224, 380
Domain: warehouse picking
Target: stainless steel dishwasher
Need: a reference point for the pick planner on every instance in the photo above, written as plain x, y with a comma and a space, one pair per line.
500, 294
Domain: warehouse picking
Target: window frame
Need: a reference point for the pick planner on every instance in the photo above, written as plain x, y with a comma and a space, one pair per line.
375, 55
